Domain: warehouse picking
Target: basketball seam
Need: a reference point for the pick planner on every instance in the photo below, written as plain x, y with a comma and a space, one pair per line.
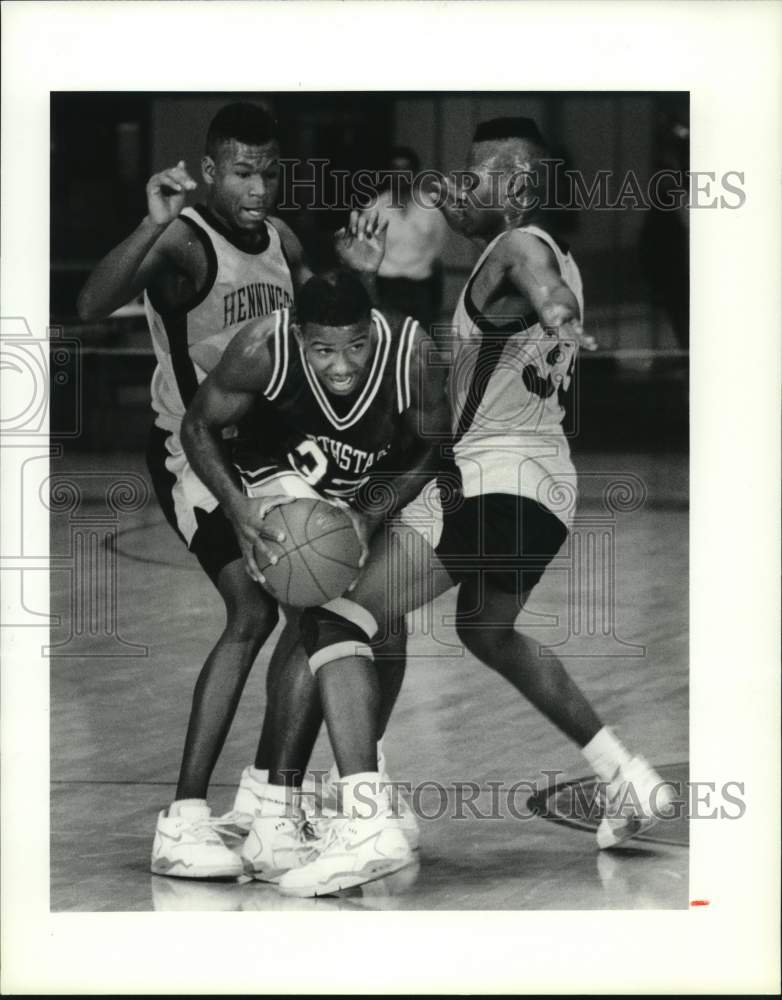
315, 580
306, 545
284, 590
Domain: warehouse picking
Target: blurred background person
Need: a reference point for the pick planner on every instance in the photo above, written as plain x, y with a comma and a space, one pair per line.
410, 276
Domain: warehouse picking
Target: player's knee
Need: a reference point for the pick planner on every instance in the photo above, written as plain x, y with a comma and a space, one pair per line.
486, 641
336, 630
250, 620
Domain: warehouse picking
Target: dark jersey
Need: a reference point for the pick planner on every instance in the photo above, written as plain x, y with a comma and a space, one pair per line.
336, 443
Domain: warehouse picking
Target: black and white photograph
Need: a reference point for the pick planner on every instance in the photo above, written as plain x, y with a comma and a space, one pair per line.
514, 462
357, 503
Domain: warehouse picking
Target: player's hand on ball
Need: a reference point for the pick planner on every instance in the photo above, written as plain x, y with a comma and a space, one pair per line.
166, 193
248, 520
362, 243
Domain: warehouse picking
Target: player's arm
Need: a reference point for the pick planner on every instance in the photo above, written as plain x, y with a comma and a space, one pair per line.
361, 246
222, 399
147, 256
428, 423
294, 252
531, 267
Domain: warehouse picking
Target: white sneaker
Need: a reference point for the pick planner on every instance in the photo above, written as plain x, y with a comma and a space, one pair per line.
635, 800
405, 814
247, 805
188, 846
275, 844
232, 828
356, 851
402, 811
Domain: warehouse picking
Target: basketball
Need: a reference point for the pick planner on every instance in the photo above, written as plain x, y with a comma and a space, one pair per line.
318, 559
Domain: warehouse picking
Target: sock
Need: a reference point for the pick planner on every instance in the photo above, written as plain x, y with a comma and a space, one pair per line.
188, 809
362, 795
605, 754
259, 774
278, 800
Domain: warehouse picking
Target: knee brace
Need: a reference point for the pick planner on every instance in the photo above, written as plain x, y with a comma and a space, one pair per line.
335, 630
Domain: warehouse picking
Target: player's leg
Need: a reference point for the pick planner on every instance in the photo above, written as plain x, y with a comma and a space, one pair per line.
488, 605
486, 616
186, 841
635, 794
367, 840
293, 714
279, 837
250, 617
391, 657
402, 573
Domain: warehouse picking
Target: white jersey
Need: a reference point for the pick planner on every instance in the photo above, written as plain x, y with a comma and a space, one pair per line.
188, 342
506, 385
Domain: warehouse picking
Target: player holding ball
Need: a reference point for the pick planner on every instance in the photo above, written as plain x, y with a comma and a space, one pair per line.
331, 406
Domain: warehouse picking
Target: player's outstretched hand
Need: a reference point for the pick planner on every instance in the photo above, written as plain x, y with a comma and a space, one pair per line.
166, 193
248, 521
558, 319
362, 243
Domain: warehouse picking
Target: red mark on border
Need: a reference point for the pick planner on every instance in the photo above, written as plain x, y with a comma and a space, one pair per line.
699, 902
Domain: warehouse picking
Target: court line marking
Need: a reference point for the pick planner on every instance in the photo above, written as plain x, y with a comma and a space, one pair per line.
539, 804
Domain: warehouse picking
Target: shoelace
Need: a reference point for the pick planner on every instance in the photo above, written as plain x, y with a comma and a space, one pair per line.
231, 820
335, 834
307, 831
205, 830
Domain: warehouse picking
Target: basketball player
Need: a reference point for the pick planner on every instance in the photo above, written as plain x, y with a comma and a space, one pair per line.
331, 407
516, 332
205, 272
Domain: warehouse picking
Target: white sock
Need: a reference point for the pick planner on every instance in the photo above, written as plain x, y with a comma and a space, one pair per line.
188, 809
278, 800
259, 774
362, 795
605, 754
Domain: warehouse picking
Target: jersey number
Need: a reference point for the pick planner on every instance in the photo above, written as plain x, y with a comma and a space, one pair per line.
545, 387
311, 463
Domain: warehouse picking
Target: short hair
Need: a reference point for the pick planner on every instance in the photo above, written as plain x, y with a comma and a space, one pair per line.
333, 298
405, 153
244, 122
498, 129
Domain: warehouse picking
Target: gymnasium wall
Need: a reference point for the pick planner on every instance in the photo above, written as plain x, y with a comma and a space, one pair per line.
105, 146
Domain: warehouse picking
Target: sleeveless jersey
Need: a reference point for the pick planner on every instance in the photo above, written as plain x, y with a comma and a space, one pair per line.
506, 389
240, 286
335, 443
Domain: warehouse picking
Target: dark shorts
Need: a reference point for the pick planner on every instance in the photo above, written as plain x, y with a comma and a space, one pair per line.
214, 543
507, 541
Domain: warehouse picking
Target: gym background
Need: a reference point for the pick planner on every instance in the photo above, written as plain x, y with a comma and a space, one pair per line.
632, 393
